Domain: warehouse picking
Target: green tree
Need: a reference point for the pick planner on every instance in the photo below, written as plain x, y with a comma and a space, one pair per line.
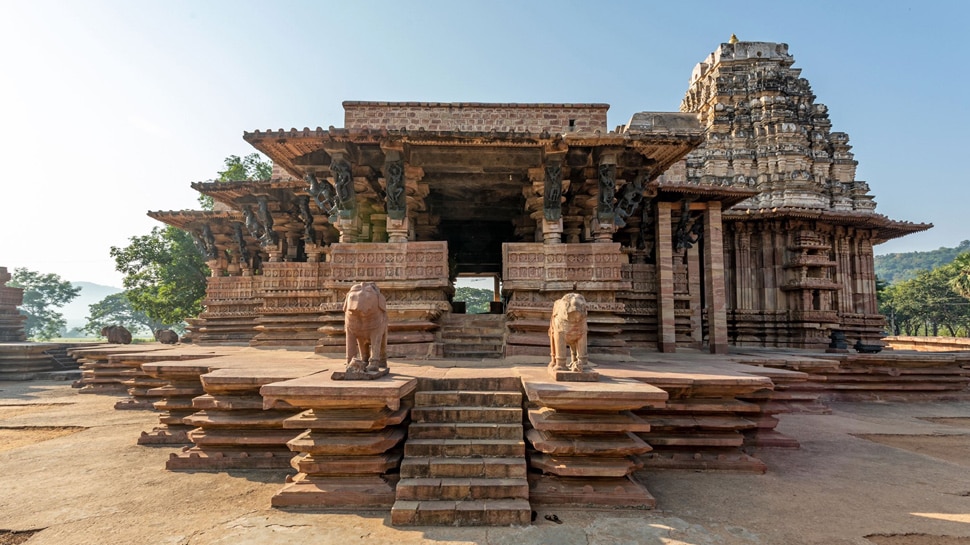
116, 309
43, 293
476, 300
250, 167
960, 268
165, 276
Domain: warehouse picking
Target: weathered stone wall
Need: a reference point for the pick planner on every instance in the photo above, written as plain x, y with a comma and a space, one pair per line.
475, 117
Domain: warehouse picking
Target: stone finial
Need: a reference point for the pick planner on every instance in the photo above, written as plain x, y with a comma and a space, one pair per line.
733, 39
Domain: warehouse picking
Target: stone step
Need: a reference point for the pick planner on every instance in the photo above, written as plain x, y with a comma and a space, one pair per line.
486, 384
467, 398
476, 344
465, 447
462, 430
452, 331
510, 512
468, 414
494, 467
471, 355
475, 319
457, 488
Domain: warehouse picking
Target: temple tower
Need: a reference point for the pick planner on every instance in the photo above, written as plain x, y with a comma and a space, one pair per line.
799, 254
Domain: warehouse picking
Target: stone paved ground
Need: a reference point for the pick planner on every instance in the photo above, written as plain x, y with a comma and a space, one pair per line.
97, 486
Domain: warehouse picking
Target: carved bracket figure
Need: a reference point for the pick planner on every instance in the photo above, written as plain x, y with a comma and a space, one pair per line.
567, 334
207, 243
269, 237
396, 200
304, 214
344, 182
365, 325
240, 239
322, 192
607, 193
552, 194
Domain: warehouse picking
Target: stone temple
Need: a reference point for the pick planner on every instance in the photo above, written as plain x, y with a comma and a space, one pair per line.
735, 222
724, 255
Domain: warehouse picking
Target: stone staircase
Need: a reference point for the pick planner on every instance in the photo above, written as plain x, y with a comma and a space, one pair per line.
62, 360
473, 336
464, 460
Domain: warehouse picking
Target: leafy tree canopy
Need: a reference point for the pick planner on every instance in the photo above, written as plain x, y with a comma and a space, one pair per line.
934, 302
250, 167
116, 309
165, 276
43, 293
476, 300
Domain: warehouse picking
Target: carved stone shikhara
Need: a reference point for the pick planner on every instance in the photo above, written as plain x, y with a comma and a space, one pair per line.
365, 326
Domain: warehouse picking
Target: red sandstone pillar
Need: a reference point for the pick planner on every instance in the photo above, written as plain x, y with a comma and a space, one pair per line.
666, 334
714, 267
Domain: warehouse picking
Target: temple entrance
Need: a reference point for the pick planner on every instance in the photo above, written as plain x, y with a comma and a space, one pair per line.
475, 247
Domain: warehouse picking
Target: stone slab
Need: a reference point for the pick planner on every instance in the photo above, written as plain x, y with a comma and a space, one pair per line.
358, 492
612, 394
576, 466
319, 391
346, 444
547, 490
547, 419
347, 419
588, 444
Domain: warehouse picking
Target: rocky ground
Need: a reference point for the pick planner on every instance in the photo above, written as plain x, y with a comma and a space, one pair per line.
869, 473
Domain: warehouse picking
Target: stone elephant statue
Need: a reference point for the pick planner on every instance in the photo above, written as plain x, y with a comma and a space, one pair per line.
567, 332
166, 336
365, 325
116, 334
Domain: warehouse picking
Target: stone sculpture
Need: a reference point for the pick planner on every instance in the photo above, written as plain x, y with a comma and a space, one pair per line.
116, 334
552, 194
166, 336
344, 182
322, 192
567, 332
304, 214
396, 201
365, 325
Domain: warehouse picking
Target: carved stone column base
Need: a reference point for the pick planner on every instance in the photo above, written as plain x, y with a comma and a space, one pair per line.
552, 231
397, 230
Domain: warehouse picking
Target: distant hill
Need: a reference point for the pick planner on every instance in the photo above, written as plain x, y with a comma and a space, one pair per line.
76, 312
894, 268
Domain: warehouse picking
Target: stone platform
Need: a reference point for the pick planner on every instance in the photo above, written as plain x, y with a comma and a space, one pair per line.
25, 360
438, 440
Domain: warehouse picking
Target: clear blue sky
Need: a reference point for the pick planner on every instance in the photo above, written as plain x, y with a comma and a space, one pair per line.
112, 108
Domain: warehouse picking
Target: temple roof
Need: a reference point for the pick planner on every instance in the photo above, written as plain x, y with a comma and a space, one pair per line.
886, 228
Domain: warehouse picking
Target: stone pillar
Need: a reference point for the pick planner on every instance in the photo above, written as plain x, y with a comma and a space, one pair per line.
666, 334
396, 223
552, 200
717, 338
743, 270
342, 177
378, 223
215, 267
694, 279
604, 220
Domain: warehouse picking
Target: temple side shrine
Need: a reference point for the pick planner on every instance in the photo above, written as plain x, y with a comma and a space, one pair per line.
737, 221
